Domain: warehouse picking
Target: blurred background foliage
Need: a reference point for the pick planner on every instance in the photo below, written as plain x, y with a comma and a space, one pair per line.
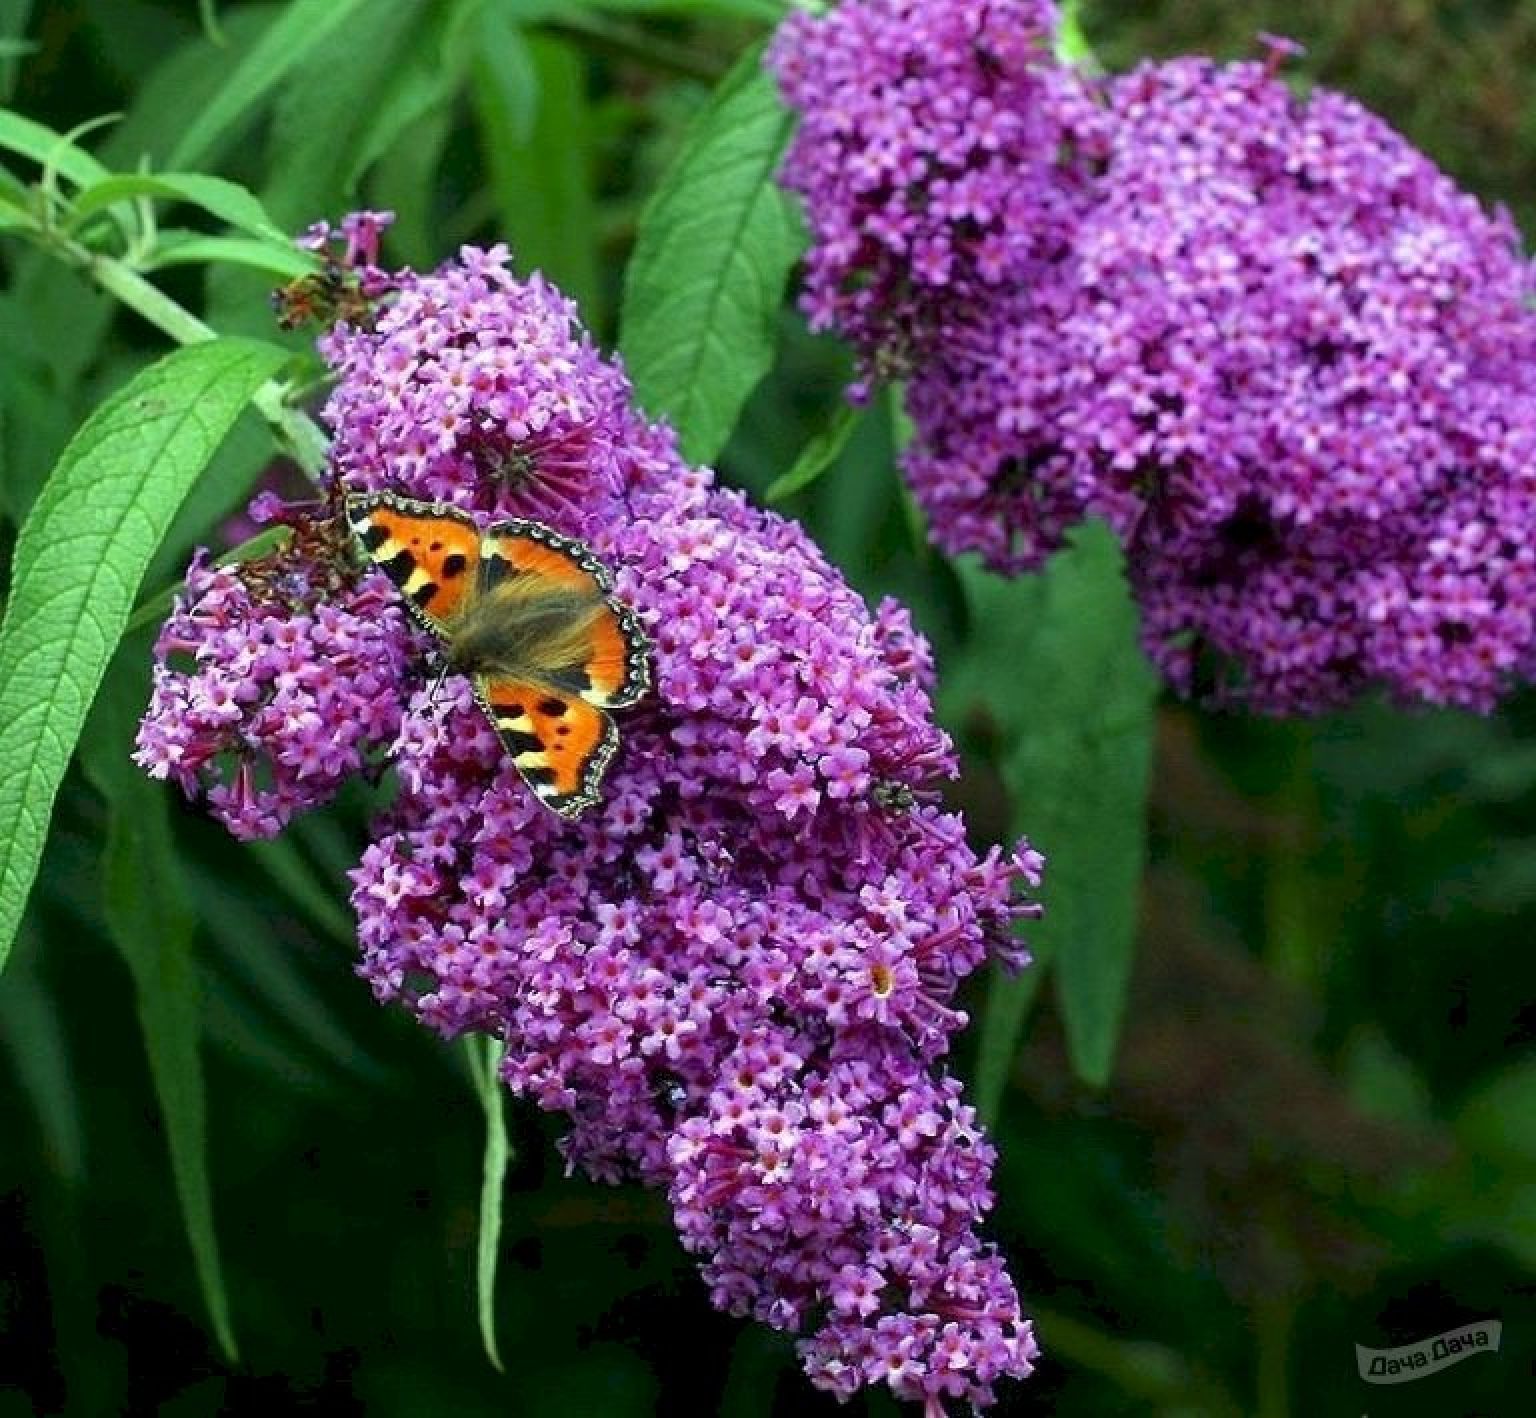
1320, 1129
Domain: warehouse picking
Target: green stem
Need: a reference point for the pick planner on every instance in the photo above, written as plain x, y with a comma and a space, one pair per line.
139, 295
298, 434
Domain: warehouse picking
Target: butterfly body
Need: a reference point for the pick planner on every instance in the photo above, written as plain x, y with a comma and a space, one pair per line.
528, 615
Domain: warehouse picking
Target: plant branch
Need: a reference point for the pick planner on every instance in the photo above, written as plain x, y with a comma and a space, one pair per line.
300, 437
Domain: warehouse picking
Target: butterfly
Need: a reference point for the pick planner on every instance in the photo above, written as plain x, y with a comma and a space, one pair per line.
528, 615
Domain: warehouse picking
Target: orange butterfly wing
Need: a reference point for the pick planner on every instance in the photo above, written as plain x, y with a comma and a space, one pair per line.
553, 723
429, 550
615, 668
561, 744
550, 717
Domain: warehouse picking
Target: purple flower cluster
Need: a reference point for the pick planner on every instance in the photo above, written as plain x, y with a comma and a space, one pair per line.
274, 680
736, 976
926, 154
519, 415
1265, 338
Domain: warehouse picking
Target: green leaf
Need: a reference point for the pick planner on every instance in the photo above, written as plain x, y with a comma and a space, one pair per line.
1072, 45
295, 33
173, 94
192, 248
49, 149
228, 201
530, 97
484, 1063
1070, 699
346, 102
818, 455
79, 559
151, 921
32, 1033
713, 253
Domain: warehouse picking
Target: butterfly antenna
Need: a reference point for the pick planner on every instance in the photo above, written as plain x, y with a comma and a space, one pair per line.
437, 685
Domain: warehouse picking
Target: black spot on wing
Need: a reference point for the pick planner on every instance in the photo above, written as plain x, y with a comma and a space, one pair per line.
454, 564
552, 708
400, 565
373, 536
424, 593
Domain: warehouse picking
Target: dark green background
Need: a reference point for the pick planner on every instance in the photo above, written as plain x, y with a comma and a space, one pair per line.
1321, 1129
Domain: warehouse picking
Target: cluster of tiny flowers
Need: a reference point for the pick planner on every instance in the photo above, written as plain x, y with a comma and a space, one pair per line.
274, 680
1267, 340
736, 975
278, 678
516, 415
926, 155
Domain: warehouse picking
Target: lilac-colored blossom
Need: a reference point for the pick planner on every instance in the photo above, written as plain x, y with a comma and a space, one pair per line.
927, 156
1262, 336
274, 680
736, 976
474, 388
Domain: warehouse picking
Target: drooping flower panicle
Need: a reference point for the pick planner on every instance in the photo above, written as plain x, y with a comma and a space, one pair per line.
1264, 337
736, 976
